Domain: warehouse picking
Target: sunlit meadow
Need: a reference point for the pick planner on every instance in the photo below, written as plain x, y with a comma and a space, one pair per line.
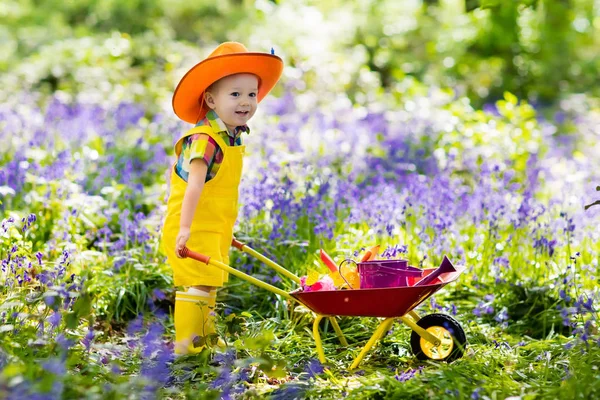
333, 162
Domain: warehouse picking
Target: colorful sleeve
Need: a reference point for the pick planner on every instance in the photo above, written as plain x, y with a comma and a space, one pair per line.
204, 147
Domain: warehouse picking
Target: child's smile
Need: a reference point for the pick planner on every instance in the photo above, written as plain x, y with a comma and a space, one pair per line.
234, 99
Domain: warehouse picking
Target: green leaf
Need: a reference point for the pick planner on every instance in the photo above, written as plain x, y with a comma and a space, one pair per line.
272, 368
471, 5
260, 342
511, 98
12, 370
234, 324
71, 320
489, 3
83, 305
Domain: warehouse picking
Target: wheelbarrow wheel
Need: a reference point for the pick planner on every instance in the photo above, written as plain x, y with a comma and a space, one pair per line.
448, 330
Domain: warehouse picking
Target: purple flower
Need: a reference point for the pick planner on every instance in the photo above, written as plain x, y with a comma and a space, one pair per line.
50, 300
313, 368
152, 340
502, 315
225, 359
567, 346
545, 245
55, 319
88, 339
565, 313
584, 304
55, 366
119, 262
156, 358
159, 294
135, 326
292, 390
63, 342
407, 375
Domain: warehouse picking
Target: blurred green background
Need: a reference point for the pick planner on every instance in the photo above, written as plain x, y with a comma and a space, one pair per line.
138, 49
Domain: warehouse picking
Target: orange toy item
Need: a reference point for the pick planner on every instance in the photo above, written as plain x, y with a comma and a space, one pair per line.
371, 254
328, 261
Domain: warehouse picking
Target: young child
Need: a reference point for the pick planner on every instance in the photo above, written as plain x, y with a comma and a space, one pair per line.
219, 95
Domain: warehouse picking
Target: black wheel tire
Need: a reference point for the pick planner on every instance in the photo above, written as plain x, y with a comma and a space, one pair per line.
451, 325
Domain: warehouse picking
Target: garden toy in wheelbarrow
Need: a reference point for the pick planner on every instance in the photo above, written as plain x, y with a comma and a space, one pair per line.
389, 289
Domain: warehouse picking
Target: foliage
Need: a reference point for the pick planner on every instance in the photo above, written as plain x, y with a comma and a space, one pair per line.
535, 49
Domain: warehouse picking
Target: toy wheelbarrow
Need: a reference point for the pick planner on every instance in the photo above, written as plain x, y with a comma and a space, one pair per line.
434, 336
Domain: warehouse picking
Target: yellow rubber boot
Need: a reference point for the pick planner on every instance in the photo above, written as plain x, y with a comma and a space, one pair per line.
194, 321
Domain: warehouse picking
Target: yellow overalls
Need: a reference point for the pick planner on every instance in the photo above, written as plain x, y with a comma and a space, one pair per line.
211, 234
215, 216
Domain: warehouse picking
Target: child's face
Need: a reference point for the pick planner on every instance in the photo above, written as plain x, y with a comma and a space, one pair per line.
234, 99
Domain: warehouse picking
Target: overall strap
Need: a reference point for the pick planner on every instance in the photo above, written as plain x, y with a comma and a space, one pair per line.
207, 130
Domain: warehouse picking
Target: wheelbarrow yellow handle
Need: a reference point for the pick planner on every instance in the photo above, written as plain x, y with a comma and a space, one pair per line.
248, 250
208, 261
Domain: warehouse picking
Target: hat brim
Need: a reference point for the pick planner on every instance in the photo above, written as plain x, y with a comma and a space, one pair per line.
187, 99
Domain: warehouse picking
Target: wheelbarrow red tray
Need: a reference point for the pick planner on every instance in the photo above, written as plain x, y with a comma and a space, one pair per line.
380, 302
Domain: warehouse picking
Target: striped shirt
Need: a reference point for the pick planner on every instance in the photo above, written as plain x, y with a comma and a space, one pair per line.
200, 145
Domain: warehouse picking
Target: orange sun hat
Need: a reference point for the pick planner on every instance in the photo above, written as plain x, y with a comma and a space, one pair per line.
227, 59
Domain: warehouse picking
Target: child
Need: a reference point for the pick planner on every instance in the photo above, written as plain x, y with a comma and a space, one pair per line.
219, 95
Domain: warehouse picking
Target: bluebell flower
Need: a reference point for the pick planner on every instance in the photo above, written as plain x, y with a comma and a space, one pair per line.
54, 319
55, 366
88, 338
290, 391
63, 342
502, 315
152, 339
159, 294
225, 359
314, 368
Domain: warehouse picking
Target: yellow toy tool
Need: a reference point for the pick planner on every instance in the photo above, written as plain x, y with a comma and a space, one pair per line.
352, 278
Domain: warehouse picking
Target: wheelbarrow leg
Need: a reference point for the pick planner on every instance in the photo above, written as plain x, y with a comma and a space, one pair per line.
379, 332
338, 331
430, 337
317, 337
414, 315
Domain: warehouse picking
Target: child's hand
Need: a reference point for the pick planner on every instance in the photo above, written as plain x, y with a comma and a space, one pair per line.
182, 238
